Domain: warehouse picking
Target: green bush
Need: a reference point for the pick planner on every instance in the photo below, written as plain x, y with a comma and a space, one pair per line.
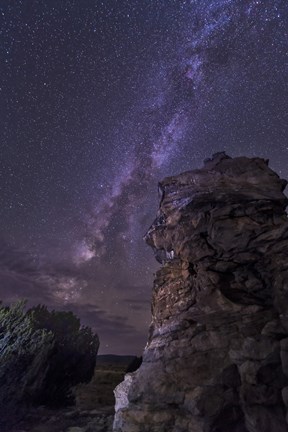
73, 358
42, 356
24, 356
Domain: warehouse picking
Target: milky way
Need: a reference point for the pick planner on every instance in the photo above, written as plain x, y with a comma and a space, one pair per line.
99, 101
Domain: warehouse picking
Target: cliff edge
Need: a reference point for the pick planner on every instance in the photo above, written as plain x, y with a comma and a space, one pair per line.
217, 355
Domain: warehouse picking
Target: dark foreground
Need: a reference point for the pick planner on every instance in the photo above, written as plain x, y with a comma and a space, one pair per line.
93, 411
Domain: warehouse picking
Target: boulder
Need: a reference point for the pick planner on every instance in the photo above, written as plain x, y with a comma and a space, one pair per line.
217, 354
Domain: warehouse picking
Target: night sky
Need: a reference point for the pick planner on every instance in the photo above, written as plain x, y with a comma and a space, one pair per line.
99, 100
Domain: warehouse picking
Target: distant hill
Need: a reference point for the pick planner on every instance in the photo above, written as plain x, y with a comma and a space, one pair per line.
113, 359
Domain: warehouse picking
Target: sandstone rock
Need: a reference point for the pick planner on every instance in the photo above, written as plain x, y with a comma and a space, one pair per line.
217, 355
121, 392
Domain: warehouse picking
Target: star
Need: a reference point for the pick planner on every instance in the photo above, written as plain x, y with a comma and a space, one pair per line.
98, 104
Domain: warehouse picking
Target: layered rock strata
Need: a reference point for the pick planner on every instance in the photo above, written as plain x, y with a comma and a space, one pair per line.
217, 355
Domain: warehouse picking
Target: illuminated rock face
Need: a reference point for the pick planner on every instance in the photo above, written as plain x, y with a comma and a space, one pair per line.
217, 354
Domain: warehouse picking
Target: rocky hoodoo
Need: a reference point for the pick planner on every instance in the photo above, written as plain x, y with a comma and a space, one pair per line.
217, 354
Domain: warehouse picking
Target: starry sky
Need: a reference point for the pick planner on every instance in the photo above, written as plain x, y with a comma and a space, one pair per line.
99, 100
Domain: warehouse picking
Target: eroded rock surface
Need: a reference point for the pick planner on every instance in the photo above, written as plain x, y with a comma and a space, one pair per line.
217, 355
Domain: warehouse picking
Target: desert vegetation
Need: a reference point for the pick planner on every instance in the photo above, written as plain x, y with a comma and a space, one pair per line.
43, 355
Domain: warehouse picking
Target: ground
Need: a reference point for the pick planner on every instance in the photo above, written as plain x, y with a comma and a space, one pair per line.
93, 411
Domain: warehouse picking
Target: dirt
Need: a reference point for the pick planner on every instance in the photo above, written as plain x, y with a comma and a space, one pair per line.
92, 412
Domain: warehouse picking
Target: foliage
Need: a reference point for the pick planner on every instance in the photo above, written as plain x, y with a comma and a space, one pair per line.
42, 356
24, 354
74, 355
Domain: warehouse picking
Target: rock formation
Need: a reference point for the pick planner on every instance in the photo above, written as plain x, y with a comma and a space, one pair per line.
217, 355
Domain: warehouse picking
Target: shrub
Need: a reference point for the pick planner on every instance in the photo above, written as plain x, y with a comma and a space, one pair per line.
24, 356
42, 356
73, 358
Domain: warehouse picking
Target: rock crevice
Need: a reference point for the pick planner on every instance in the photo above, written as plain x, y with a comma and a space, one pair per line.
217, 355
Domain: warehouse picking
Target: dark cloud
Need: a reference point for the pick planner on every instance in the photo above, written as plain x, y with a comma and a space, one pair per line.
115, 332
21, 277
137, 303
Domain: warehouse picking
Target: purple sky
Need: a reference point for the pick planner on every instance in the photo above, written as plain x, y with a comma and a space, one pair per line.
99, 101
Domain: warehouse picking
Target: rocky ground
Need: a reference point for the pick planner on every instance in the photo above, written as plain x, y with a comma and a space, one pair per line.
93, 411
70, 419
